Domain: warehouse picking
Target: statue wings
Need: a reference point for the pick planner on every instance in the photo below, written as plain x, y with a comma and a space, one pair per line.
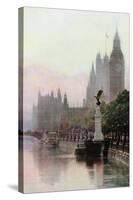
98, 96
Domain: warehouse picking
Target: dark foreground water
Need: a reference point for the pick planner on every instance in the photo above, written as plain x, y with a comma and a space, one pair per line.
49, 169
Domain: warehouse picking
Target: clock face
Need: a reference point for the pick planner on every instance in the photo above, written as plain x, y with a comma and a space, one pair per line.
118, 68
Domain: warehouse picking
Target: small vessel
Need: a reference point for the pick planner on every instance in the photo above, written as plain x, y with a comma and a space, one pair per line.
89, 148
94, 148
80, 149
52, 139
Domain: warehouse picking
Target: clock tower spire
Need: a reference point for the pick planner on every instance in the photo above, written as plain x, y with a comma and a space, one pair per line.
116, 68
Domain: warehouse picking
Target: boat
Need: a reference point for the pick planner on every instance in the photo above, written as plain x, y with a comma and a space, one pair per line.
52, 139
94, 148
80, 149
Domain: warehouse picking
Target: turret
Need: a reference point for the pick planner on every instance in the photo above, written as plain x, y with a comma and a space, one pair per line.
99, 72
106, 58
39, 97
34, 117
116, 42
92, 72
106, 83
65, 101
59, 95
98, 59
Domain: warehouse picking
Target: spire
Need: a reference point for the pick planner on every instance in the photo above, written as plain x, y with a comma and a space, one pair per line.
116, 42
39, 96
106, 58
98, 58
92, 75
65, 101
59, 95
39, 93
117, 36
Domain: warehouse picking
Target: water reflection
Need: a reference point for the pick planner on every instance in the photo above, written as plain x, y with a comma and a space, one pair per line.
49, 164
56, 169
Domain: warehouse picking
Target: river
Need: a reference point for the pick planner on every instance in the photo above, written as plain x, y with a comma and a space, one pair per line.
57, 169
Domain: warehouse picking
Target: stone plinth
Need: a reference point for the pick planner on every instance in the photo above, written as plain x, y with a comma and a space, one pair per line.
98, 136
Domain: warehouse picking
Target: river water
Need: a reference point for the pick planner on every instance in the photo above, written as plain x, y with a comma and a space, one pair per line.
57, 169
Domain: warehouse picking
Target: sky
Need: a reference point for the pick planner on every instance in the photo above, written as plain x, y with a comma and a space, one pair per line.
60, 46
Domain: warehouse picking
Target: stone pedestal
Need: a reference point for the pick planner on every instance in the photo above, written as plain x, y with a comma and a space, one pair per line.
93, 148
98, 136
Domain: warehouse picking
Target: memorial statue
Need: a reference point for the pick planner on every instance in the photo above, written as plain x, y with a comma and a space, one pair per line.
98, 136
98, 97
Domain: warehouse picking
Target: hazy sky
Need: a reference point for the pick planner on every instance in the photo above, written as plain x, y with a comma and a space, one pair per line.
59, 47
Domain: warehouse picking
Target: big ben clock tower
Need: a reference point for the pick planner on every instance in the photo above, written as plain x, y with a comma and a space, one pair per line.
117, 69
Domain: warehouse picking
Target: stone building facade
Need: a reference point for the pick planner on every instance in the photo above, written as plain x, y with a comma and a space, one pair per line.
49, 112
108, 75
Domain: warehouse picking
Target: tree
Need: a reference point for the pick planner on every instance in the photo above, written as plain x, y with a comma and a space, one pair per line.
116, 115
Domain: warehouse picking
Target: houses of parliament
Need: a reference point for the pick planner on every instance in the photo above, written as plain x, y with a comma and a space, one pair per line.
107, 73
